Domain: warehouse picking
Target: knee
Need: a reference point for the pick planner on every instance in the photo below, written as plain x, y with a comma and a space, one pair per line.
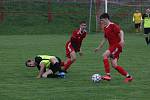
106, 54
114, 65
73, 57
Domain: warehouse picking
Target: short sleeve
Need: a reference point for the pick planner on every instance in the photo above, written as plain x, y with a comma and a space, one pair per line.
116, 28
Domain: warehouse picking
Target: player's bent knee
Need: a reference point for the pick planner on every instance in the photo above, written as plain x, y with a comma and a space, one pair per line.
106, 54
114, 65
105, 57
73, 58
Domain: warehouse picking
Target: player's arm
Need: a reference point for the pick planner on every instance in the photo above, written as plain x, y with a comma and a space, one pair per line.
122, 38
80, 52
42, 67
101, 44
133, 17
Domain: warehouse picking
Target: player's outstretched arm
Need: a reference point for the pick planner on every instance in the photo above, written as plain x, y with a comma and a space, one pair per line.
100, 45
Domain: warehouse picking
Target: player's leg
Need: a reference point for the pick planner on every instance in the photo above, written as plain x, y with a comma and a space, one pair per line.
107, 54
146, 39
149, 39
149, 35
114, 59
139, 27
70, 60
71, 56
115, 52
53, 67
106, 65
57, 68
136, 27
146, 35
121, 70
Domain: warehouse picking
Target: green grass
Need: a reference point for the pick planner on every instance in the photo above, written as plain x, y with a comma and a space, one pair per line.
19, 83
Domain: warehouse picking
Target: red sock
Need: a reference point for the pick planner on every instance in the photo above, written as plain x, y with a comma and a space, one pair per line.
67, 65
121, 70
106, 65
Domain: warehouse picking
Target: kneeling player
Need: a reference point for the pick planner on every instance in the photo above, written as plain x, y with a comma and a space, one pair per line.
47, 66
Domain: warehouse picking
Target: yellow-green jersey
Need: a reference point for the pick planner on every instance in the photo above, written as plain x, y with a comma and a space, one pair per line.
137, 17
45, 59
146, 19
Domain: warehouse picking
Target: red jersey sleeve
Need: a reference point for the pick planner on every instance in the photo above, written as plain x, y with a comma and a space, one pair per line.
116, 28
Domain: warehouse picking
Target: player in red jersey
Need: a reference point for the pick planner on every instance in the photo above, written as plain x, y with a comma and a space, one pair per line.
73, 45
115, 37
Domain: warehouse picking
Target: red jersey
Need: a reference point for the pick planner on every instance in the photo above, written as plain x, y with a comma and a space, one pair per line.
111, 33
76, 39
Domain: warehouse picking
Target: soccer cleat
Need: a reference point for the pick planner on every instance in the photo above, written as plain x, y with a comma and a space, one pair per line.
61, 74
106, 77
128, 79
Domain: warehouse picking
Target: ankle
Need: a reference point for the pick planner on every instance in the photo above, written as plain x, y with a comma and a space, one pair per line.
108, 74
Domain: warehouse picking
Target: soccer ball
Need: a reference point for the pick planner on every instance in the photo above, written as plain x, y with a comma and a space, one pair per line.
96, 78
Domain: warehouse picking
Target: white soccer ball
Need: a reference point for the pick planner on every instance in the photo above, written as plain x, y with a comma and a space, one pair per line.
96, 78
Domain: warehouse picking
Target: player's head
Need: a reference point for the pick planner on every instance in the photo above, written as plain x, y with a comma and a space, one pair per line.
104, 16
137, 10
104, 19
148, 10
83, 25
30, 63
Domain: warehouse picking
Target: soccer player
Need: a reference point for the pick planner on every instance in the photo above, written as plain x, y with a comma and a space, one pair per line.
47, 65
73, 45
115, 37
146, 21
137, 19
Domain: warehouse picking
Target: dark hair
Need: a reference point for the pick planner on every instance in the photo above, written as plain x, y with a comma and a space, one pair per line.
82, 22
26, 63
104, 15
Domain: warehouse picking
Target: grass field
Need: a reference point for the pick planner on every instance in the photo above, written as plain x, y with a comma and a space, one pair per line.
19, 83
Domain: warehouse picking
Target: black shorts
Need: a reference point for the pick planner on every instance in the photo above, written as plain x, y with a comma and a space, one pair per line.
54, 68
137, 25
146, 30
